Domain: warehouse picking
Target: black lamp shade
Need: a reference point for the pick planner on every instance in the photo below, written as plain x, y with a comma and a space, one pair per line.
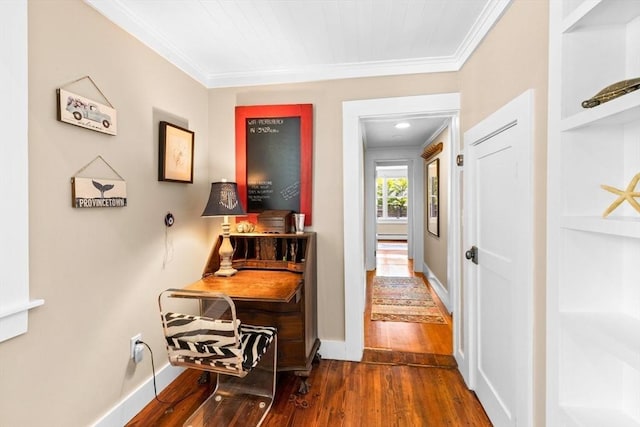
223, 200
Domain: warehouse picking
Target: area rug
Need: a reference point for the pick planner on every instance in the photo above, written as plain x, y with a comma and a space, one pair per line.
403, 299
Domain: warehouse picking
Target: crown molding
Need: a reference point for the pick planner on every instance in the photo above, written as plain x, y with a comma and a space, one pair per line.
117, 12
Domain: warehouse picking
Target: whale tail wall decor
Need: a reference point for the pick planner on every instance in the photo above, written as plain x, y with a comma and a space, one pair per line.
102, 188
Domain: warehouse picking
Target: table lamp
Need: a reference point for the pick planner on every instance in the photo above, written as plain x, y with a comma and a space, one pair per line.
224, 201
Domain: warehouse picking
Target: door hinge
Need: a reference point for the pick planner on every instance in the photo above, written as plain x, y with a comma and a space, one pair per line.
460, 160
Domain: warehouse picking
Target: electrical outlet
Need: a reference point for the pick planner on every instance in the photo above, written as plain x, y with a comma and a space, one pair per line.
132, 345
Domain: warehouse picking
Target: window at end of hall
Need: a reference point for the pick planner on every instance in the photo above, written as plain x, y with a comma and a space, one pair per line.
392, 193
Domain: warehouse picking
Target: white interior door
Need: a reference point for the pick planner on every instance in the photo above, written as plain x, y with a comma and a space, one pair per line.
498, 223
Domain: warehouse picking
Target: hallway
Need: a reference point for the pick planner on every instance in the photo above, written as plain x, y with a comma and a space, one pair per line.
428, 338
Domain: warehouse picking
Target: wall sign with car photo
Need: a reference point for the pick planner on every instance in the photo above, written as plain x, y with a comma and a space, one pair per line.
81, 111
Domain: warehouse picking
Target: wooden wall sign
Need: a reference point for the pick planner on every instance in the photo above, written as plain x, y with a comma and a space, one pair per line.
274, 157
84, 112
92, 192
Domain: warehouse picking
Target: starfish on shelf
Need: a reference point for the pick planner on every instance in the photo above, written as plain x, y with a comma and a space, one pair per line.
628, 195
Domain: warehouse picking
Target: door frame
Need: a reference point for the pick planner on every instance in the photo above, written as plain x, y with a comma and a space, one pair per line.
518, 112
444, 105
373, 158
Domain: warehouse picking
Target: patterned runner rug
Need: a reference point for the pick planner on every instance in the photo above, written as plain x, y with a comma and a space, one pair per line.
403, 299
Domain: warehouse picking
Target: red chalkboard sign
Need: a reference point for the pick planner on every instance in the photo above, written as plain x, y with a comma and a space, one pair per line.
274, 157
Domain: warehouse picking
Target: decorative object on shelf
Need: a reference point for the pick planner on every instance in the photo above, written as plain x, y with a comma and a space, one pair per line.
629, 195
84, 112
245, 227
176, 154
273, 221
92, 192
298, 221
433, 175
431, 150
612, 91
224, 201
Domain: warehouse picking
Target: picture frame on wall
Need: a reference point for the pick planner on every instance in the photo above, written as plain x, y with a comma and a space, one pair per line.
433, 196
176, 153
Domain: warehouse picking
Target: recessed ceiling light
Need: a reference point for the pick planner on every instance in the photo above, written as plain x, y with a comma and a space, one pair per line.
402, 125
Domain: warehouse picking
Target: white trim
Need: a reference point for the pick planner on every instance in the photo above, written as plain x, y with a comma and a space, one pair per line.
437, 286
409, 157
383, 236
132, 404
454, 246
20, 308
334, 350
518, 112
14, 163
353, 212
437, 133
487, 19
119, 13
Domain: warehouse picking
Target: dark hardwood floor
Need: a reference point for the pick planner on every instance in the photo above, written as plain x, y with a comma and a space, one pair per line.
408, 378
429, 338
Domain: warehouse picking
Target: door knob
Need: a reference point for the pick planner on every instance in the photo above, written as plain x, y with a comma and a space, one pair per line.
472, 254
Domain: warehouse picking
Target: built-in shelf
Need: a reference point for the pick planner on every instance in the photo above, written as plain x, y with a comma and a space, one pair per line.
593, 291
614, 225
597, 417
619, 111
615, 333
597, 13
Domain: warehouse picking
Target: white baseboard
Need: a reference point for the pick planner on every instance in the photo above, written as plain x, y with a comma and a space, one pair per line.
334, 350
129, 407
442, 292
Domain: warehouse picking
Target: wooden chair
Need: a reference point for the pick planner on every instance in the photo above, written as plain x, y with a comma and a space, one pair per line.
202, 332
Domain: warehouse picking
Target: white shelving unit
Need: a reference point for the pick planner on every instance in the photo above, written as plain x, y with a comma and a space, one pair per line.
593, 283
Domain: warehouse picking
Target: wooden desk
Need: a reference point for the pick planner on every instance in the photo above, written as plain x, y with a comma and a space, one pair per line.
254, 285
275, 286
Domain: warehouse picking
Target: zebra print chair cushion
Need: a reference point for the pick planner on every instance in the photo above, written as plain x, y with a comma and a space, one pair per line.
216, 343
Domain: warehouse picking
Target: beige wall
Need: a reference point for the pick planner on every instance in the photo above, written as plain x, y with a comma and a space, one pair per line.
99, 270
435, 247
388, 228
327, 98
513, 58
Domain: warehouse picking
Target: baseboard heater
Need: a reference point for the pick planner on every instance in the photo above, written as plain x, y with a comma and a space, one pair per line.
381, 236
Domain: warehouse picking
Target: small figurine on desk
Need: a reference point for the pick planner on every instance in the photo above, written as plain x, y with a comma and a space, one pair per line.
245, 227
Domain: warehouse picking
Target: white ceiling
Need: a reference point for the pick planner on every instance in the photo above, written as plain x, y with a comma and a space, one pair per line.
223, 43
381, 132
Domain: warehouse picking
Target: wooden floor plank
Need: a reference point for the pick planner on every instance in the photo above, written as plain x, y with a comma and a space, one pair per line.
408, 378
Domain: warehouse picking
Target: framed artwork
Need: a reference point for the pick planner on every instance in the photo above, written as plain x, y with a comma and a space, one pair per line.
176, 154
84, 112
274, 157
433, 175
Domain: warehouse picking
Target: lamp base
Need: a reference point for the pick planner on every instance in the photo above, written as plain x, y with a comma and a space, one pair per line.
226, 253
225, 272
